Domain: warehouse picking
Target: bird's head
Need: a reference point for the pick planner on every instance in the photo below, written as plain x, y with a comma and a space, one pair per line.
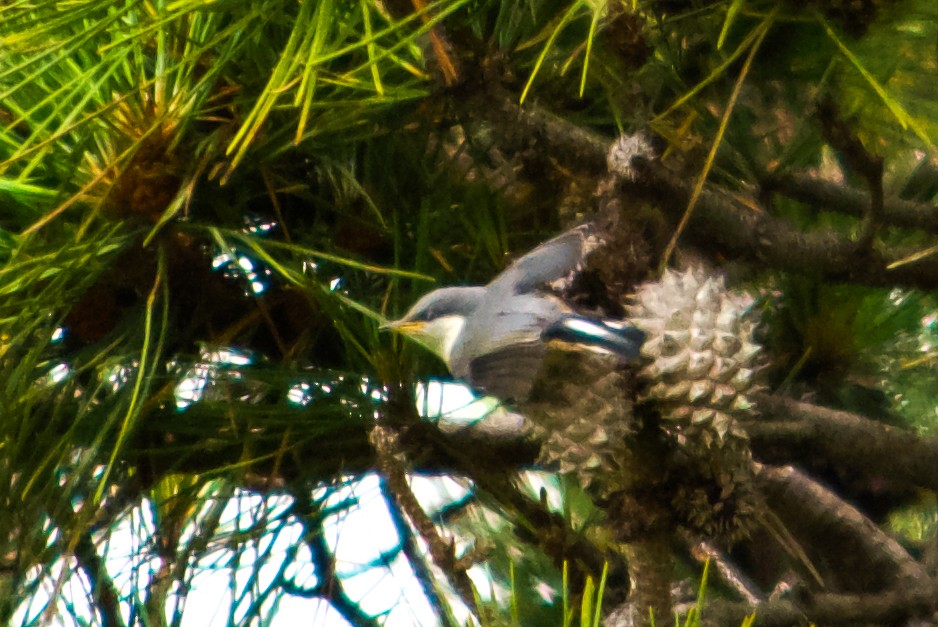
437, 319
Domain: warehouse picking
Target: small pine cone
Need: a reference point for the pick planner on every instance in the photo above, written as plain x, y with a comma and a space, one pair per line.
580, 412
715, 495
702, 363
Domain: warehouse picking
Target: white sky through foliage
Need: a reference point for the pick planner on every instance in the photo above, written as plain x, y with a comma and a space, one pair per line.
226, 584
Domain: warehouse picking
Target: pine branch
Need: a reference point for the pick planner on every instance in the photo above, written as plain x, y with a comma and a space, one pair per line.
908, 591
829, 522
422, 570
442, 551
104, 593
890, 608
788, 431
724, 224
820, 194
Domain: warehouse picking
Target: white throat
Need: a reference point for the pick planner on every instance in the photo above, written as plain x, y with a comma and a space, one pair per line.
442, 333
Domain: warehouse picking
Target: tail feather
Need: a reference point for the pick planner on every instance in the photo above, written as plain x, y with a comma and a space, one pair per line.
583, 333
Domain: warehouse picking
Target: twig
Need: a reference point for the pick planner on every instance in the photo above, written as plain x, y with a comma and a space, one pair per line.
412, 551
104, 592
442, 551
728, 571
166, 539
844, 140
198, 543
328, 585
442, 49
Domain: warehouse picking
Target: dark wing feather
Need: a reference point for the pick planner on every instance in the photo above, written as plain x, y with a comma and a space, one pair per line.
580, 331
507, 373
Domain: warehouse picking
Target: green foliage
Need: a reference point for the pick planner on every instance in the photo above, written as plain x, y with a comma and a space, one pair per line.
867, 350
142, 142
917, 524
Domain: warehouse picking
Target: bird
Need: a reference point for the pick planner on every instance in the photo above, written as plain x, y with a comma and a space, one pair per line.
679, 355
495, 337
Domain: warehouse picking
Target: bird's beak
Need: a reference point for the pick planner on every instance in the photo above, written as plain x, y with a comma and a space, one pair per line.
407, 327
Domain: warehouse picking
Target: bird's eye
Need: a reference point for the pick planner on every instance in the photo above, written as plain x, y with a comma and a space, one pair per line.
424, 315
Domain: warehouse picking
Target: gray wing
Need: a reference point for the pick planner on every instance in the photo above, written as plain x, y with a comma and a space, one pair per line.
554, 260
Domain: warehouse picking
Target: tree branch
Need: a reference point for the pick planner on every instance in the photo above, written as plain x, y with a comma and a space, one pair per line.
722, 223
726, 225
906, 590
824, 609
442, 551
788, 430
429, 449
728, 572
414, 554
104, 592
805, 505
844, 139
823, 195
492, 117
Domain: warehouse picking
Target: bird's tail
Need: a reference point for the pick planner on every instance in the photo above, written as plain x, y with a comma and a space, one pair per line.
574, 332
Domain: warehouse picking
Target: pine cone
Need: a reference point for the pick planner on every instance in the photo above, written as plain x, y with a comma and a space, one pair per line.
702, 363
579, 410
702, 355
